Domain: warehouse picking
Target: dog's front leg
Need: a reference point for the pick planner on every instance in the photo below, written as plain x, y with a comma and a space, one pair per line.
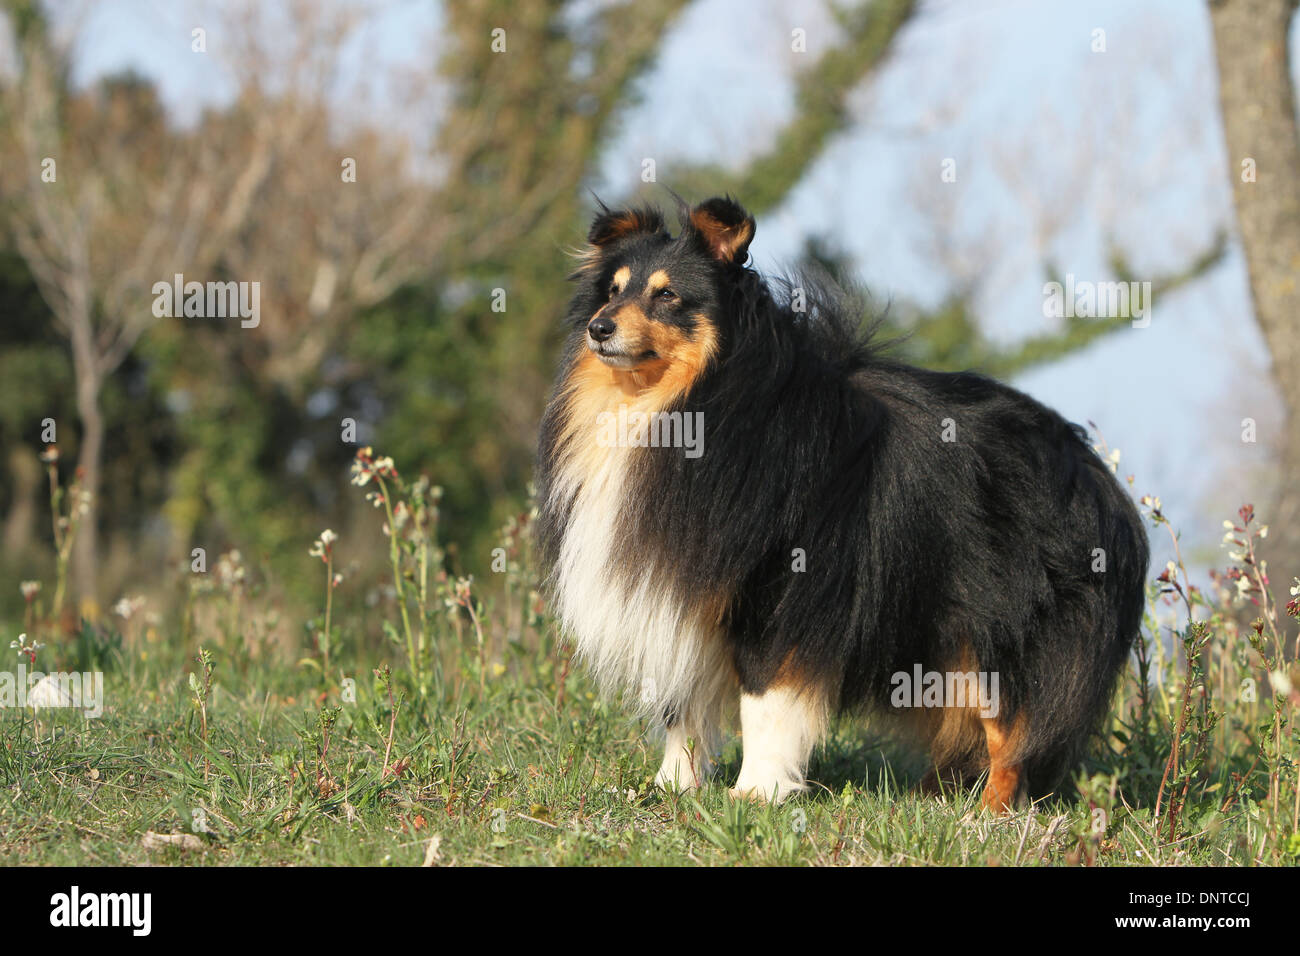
687, 761
779, 728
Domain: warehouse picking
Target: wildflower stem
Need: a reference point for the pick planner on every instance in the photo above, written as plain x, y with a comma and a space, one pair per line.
329, 602
395, 557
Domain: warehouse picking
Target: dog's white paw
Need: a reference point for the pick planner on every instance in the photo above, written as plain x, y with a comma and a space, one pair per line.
676, 779
682, 771
762, 786
686, 764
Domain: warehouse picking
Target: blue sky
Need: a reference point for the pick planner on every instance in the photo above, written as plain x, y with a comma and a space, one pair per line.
1058, 148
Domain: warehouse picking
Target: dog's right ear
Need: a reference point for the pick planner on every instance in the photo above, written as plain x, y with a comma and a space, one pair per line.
612, 225
724, 228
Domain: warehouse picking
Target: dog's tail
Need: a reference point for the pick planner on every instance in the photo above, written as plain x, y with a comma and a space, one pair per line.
1074, 672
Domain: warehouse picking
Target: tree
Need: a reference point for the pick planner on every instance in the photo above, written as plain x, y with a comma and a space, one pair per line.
1263, 145
104, 199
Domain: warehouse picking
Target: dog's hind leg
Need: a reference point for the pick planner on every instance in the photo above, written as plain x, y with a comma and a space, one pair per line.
779, 727
1005, 778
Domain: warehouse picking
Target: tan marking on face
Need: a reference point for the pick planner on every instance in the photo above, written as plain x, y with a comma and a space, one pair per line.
631, 321
634, 328
620, 278
658, 280
682, 359
593, 387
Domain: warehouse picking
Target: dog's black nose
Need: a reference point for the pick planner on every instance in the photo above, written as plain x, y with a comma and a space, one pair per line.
600, 328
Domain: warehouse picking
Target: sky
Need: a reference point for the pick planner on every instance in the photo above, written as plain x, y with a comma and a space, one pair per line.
1060, 151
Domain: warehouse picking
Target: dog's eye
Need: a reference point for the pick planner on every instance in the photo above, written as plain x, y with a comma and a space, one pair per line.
666, 295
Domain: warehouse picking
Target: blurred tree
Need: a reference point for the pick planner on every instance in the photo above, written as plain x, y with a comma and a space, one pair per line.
948, 337
103, 199
1259, 127
35, 384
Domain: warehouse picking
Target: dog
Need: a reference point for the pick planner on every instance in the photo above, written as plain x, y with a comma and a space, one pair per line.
743, 500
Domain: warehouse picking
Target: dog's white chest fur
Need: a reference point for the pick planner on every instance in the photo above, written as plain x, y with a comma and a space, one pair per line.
632, 628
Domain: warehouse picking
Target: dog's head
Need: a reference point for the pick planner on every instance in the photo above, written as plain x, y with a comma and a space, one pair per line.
655, 300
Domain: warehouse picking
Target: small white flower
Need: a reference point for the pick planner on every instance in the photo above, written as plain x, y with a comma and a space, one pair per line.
24, 649
29, 589
127, 607
401, 514
321, 546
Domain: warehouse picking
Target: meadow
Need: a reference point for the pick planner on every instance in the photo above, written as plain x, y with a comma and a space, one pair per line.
443, 722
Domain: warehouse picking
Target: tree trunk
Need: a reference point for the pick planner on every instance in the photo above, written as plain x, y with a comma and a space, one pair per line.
85, 549
20, 524
89, 385
1263, 145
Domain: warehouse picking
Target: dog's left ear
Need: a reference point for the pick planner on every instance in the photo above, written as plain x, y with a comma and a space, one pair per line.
725, 228
611, 225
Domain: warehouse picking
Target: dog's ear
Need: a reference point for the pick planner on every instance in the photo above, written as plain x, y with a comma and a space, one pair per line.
725, 228
611, 225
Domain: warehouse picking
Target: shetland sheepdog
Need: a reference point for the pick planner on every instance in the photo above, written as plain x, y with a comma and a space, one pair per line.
743, 501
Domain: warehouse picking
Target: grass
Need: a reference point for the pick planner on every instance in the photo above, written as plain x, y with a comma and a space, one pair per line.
489, 748
504, 777
509, 778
